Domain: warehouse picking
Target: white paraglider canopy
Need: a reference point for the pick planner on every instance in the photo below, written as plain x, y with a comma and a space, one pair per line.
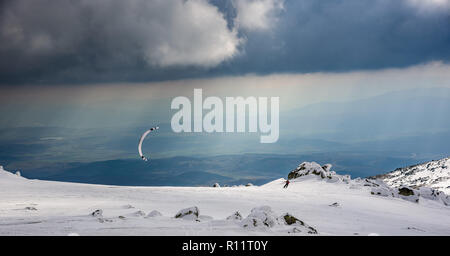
141, 140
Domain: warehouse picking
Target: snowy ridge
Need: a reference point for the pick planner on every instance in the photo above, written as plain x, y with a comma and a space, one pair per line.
317, 202
7, 175
434, 174
308, 170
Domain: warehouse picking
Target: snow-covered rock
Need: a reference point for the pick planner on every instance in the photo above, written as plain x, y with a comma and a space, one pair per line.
235, 216
262, 216
434, 174
190, 213
216, 185
313, 169
307, 168
406, 193
298, 225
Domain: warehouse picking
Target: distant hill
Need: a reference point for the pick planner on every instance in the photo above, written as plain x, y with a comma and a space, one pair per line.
205, 171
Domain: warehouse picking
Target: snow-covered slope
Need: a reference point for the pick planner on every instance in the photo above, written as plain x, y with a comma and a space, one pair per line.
311, 205
434, 174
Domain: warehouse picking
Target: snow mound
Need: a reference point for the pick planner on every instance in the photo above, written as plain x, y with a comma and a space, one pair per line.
8, 175
313, 169
154, 213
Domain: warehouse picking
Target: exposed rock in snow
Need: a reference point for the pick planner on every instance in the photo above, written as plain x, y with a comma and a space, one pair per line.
378, 187
30, 208
97, 213
249, 184
382, 191
235, 216
299, 226
405, 191
434, 174
335, 204
154, 213
190, 213
216, 185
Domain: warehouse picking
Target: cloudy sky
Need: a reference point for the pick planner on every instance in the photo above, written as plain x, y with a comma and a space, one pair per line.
83, 42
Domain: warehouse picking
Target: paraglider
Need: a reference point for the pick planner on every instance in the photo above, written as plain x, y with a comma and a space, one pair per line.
141, 140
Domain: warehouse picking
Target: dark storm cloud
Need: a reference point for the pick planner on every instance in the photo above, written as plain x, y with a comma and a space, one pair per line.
65, 41
83, 40
332, 35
